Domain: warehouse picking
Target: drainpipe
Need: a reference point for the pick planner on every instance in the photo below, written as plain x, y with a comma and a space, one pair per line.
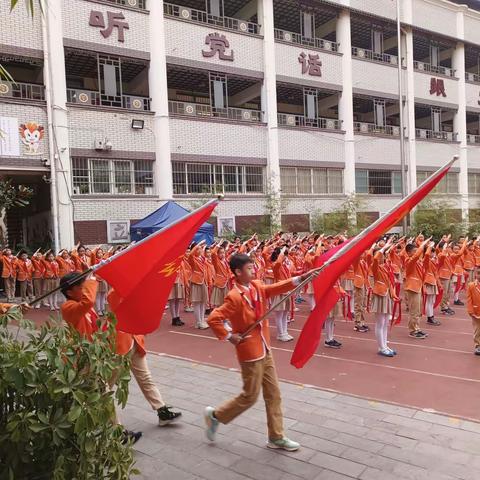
51, 144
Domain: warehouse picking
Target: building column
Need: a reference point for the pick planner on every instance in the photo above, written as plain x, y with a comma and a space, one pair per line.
61, 163
157, 80
269, 107
345, 104
410, 113
460, 118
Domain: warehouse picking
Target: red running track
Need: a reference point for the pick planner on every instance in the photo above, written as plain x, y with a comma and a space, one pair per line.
439, 373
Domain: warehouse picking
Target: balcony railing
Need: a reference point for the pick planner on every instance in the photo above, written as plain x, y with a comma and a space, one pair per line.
372, 129
290, 120
23, 91
473, 138
375, 57
426, 67
432, 135
141, 4
90, 97
200, 16
298, 39
189, 109
472, 77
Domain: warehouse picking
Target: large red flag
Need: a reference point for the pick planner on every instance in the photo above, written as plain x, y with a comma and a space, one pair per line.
143, 274
339, 262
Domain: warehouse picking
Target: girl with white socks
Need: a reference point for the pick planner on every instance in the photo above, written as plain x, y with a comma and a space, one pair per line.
199, 284
430, 283
282, 270
383, 295
334, 313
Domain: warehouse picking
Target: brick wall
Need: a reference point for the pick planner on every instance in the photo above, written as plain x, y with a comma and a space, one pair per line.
249, 224
18, 28
296, 222
91, 232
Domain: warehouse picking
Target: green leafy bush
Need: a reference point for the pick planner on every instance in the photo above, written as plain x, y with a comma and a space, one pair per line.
56, 405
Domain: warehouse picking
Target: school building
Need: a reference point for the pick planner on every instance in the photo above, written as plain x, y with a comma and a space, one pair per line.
287, 107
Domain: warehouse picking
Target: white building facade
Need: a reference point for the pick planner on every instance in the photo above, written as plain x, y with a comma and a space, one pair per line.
120, 105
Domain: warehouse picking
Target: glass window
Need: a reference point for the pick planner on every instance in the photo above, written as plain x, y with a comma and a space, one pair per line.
397, 182
335, 181
100, 176
304, 180
179, 178
320, 180
81, 179
230, 173
379, 182
199, 178
122, 171
143, 174
254, 180
288, 180
452, 182
361, 181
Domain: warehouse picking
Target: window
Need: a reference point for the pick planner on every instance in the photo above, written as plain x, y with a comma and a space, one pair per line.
378, 182
112, 177
214, 178
448, 184
311, 181
474, 183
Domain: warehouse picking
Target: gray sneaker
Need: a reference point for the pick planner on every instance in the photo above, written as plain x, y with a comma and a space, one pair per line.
477, 351
212, 423
283, 444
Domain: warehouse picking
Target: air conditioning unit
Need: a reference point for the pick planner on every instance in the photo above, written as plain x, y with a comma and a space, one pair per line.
137, 103
186, 13
290, 120
243, 26
99, 145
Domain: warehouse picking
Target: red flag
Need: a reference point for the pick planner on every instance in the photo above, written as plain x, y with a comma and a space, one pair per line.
143, 274
338, 263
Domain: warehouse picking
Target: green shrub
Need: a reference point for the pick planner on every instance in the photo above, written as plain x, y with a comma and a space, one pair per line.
55, 404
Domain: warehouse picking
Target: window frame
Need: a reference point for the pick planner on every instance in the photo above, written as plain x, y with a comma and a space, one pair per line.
329, 181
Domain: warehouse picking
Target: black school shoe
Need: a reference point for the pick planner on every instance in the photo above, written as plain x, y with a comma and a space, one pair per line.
419, 335
458, 302
333, 344
176, 322
166, 416
432, 321
129, 435
477, 351
361, 328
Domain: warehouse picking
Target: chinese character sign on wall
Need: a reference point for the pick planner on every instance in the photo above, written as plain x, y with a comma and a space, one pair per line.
218, 45
310, 64
437, 87
118, 231
114, 20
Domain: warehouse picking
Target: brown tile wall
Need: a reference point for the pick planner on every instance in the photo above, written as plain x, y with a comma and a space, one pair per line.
91, 232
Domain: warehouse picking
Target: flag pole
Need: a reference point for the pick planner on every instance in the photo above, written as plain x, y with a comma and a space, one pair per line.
311, 276
129, 248
346, 248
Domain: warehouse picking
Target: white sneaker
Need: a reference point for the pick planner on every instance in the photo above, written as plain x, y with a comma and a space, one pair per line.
211, 422
37, 306
285, 338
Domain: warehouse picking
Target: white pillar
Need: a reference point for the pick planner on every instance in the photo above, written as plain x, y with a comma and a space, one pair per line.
410, 108
460, 118
269, 107
345, 104
58, 84
157, 79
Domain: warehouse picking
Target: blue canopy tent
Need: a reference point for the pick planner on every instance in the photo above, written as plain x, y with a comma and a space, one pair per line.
164, 216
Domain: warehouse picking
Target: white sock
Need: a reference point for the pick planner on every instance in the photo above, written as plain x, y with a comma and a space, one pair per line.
285, 322
379, 330
311, 301
279, 322
198, 312
329, 326
386, 322
430, 301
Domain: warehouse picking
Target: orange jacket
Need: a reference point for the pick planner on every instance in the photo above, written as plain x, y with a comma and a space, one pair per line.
65, 266
282, 269
199, 267
241, 312
52, 270
473, 299
414, 272
381, 276
444, 266
360, 269
430, 268
24, 270
8, 269
81, 315
82, 264
38, 268
222, 270
469, 260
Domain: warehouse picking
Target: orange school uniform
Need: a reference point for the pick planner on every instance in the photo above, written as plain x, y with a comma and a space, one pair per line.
473, 299
414, 272
24, 270
242, 307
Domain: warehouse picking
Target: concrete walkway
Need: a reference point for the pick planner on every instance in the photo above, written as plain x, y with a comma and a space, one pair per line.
342, 437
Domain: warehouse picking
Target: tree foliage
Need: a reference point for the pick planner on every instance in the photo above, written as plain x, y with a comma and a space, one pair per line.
13, 196
56, 406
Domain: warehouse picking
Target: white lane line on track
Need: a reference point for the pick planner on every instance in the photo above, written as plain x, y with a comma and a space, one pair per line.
358, 362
